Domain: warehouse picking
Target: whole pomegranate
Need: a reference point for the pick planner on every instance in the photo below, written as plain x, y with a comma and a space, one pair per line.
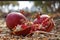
13, 19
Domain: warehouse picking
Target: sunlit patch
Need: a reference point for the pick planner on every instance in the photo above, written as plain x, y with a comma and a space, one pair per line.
18, 28
23, 4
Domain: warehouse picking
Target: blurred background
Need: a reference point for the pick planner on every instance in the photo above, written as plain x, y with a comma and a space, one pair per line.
46, 7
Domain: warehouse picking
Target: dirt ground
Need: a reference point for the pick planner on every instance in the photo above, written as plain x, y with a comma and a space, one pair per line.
53, 35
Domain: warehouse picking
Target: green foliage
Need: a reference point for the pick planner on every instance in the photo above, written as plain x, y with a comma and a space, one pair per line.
44, 9
8, 2
38, 3
46, 4
41, 4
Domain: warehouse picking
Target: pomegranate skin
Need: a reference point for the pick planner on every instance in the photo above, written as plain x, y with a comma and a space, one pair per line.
13, 19
40, 19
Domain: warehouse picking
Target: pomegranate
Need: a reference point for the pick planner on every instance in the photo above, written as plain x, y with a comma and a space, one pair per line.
13, 19
46, 25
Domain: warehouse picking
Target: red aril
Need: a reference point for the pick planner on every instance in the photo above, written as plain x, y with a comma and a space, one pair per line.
47, 26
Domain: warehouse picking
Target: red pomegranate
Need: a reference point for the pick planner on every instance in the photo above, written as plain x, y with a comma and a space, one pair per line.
45, 21
23, 29
13, 19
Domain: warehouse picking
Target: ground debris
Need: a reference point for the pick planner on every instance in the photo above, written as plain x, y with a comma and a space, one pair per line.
5, 34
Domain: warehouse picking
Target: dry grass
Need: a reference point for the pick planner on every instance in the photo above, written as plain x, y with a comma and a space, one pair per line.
5, 34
